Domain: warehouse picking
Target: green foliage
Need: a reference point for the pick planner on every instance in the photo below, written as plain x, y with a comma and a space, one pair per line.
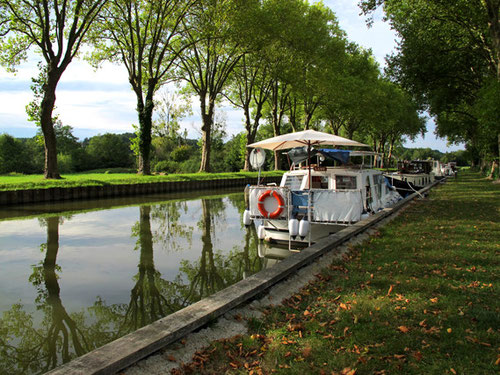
181, 153
56, 31
234, 155
15, 156
419, 154
109, 151
165, 166
448, 58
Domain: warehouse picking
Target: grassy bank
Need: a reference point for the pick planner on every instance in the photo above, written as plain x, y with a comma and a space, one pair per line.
20, 182
420, 297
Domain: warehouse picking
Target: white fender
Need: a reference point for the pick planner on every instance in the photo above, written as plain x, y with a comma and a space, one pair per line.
293, 227
303, 228
246, 218
261, 232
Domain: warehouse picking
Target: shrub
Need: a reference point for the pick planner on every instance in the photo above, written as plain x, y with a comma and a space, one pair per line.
167, 166
110, 151
181, 153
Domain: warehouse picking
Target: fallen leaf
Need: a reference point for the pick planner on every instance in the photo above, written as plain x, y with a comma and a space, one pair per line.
418, 356
348, 371
306, 313
434, 300
343, 306
453, 371
171, 358
404, 329
390, 290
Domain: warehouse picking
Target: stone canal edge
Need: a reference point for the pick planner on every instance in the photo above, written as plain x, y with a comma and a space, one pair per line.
28, 196
137, 345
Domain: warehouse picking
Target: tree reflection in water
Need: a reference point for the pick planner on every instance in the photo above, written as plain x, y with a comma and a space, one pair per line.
216, 269
147, 303
28, 346
57, 338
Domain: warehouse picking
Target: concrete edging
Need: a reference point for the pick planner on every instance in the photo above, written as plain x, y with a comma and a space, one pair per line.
17, 197
129, 349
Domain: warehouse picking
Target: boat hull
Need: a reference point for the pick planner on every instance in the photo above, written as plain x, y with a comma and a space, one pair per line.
407, 184
276, 232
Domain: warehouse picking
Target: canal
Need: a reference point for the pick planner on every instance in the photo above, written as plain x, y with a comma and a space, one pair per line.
77, 275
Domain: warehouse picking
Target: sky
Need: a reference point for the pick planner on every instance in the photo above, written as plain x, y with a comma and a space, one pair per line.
101, 101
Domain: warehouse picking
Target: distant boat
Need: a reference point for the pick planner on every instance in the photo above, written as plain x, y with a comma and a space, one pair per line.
412, 176
324, 191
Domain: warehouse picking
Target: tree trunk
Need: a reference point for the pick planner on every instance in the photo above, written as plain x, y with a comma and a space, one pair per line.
498, 161
293, 114
391, 149
248, 127
145, 112
51, 171
494, 166
207, 116
276, 124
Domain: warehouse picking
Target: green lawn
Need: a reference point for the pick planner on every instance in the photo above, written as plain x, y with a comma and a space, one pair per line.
19, 182
420, 297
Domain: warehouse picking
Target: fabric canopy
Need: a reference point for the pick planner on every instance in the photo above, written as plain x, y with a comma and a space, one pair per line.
305, 138
299, 154
338, 155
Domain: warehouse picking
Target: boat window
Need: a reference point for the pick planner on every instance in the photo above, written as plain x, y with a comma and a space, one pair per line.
345, 182
293, 182
319, 182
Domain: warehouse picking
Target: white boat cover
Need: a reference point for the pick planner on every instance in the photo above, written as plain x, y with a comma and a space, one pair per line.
255, 193
328, 205
337, 206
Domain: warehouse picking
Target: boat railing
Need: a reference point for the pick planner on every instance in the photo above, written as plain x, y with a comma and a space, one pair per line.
317, 205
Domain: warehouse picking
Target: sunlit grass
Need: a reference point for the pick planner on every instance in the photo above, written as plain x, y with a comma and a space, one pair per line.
420, 297
19, 182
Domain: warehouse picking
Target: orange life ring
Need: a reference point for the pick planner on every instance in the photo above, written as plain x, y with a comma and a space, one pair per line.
277, 212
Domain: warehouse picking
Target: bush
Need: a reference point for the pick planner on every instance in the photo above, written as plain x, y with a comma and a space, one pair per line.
190, 166
165, 166
181, 153
110, 151
14, 156
65, 163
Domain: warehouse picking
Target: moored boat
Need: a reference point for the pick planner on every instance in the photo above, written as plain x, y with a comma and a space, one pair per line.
411, 176
315, 200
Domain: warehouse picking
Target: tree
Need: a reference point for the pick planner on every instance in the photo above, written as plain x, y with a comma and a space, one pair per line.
348, 99
66, 141
144, 35
249, 90
215, 31
448, 54
56, 29
320, 58
110, 151
13, 155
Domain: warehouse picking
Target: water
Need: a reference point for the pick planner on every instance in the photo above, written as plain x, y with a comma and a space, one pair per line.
77, 275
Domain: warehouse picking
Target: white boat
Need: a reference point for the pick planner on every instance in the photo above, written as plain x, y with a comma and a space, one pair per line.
316, 200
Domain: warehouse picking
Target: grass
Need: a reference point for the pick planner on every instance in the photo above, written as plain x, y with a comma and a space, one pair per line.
419, 297
21, 182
